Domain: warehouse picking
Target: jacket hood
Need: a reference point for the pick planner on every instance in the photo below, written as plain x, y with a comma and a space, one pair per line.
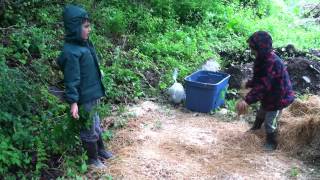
73, 17
261, 41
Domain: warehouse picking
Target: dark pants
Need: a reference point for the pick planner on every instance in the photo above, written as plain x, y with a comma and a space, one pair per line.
91, 134
270, 119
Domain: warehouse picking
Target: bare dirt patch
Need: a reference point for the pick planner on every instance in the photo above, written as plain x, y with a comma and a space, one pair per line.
161, 142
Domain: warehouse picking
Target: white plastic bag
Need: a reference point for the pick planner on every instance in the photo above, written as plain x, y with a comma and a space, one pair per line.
211, 65
176, 91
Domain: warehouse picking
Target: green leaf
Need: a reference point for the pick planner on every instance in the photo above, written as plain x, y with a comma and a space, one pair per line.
83, 168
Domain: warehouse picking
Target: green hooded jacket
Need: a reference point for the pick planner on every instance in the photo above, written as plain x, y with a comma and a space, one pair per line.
79, 61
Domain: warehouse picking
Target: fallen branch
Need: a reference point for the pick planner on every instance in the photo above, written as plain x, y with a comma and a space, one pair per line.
144, 78
314, 8
9, 27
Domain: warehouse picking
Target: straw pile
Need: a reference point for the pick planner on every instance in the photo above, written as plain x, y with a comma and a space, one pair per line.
300, 127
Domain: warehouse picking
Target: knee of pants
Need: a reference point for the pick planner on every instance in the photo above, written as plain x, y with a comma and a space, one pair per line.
269, 128
261, 115
97, 127
94, 132
89, 136
271, 121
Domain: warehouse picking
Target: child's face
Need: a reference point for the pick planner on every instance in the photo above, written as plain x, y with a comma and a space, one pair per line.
85, 30
253, 52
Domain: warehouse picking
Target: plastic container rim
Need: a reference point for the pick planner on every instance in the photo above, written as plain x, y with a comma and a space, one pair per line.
222, 80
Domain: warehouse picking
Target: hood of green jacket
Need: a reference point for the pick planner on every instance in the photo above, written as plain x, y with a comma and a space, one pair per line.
73, 17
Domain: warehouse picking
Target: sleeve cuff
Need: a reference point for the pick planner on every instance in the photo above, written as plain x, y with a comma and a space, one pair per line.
247, 100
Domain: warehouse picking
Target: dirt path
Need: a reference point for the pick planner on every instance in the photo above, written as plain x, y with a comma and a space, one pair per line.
166, 143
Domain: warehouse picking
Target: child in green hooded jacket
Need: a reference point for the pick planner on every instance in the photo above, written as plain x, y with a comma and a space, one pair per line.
82, 79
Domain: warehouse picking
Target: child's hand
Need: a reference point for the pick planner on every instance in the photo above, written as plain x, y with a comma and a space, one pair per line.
74, 111
242, 107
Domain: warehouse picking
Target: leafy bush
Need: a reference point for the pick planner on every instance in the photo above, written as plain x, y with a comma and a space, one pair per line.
111, 21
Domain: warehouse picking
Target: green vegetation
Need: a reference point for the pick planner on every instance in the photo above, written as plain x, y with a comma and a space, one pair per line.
294, 172
139, 43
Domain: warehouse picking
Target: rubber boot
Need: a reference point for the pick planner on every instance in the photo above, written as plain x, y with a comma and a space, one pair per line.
101, 149
257, 124
92, 153
271, 143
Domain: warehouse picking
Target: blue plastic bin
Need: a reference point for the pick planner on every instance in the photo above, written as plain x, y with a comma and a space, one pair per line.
206, 90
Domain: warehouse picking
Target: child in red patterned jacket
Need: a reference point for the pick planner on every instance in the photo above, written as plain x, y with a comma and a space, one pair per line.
270, 85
